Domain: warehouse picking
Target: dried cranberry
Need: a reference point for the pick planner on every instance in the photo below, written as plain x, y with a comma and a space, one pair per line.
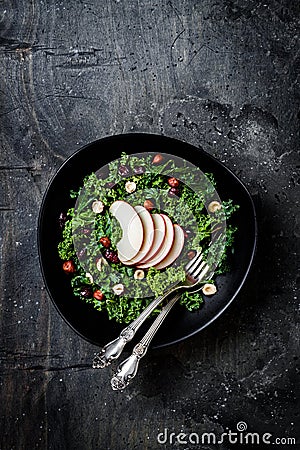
86, 291
62, 219
173, 182
123, 171
81, 253
69, 267
138, 170
111, 256
105, 241
98, 295
173, 192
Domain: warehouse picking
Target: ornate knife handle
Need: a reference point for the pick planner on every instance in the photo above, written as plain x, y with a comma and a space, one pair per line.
113, 349
127, 369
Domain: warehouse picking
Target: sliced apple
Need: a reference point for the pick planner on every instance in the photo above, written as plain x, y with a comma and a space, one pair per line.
132, 230
165, 248
176, 249
159, 236
148, 228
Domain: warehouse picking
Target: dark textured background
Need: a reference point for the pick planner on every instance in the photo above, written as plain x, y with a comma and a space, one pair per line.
220, 74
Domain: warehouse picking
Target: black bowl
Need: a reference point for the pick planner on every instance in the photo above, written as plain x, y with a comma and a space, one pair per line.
95, 326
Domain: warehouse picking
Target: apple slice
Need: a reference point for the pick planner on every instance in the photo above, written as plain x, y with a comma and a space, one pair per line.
158, 238
132, 229
165, 248
176, 248
148, 228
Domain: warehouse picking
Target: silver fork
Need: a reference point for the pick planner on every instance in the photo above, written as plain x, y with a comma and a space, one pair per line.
127, 369
113, 349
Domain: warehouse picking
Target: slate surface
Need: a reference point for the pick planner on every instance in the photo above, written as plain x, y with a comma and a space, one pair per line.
220, 74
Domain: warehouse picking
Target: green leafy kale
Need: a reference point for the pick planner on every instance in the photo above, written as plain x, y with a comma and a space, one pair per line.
187, 209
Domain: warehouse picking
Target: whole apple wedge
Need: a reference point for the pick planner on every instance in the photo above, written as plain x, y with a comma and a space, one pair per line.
148, 228
132, 229
165, 248
159, 236
176, 249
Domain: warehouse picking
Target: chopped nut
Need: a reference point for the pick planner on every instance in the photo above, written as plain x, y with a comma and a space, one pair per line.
98, 295
173, 182
130, 186
97, 207
214, 206
139, 274
118, 289
209, 289
157, 159
100, 263
89, 277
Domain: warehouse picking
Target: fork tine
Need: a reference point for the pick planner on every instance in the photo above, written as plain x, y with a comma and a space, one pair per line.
191, 266
198, 269
193, 269
203, 273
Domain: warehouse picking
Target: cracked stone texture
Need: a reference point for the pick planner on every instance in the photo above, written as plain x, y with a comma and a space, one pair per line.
222, 75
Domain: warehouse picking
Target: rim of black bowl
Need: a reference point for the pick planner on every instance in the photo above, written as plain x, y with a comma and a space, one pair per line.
201, 151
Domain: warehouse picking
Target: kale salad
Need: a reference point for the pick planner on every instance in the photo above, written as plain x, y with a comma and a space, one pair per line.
165, 186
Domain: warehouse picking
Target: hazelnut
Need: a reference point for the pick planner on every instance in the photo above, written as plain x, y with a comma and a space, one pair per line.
209, 289
100, 263
86, 292
214, 206
69, 267
105, 241
139, 274
157, 159
173, 192
118, 289
173, 182
138, 170
191, 254
98, 295
97, 207
130, 187
148, 204
89, 277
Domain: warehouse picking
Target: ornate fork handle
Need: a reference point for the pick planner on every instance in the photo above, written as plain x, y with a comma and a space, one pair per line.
113, 349
127, 369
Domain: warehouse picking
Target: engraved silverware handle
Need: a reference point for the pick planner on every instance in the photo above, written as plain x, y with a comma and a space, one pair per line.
127, 369
113, 349
195, 271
